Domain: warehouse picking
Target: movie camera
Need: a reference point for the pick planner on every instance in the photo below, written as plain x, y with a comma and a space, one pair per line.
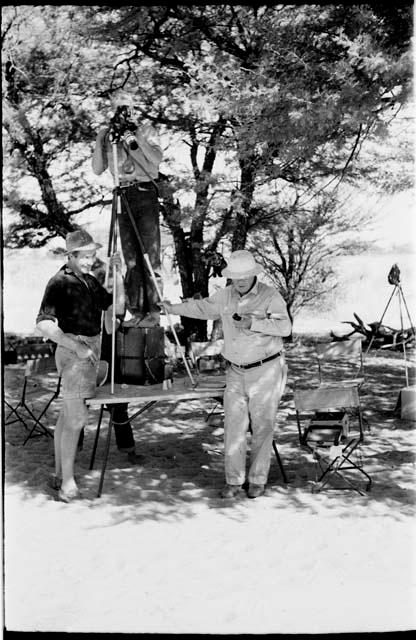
122, 128
394, 275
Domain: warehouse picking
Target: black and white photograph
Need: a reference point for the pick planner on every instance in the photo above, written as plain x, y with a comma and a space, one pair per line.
208, 318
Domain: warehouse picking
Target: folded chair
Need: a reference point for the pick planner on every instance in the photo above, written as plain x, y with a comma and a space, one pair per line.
35, 391
329, 416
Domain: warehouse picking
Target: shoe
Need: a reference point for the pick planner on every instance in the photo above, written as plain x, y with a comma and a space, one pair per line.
135, 458
150, 320
68, 497
255, 490
133, 321
230, 490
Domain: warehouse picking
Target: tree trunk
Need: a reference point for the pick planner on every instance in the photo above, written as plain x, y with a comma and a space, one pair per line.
197, 329
248, 174
190, 251
29, 143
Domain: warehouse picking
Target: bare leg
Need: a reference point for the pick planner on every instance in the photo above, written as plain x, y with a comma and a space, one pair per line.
76, 417
57, 444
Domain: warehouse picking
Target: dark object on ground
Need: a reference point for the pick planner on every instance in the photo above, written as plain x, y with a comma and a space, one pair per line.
380, 335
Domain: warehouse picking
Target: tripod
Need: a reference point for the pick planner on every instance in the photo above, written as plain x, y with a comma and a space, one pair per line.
118, 197
394, 279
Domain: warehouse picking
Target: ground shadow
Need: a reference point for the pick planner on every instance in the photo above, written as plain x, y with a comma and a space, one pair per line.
181, 467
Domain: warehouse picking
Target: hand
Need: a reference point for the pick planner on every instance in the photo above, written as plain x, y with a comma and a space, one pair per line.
165, 306
115, 261
243, 323
84, 352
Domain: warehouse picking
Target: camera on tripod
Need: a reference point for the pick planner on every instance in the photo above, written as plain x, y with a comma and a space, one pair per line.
394, 275
122, 128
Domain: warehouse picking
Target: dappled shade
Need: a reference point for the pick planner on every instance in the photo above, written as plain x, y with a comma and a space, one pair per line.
182, 466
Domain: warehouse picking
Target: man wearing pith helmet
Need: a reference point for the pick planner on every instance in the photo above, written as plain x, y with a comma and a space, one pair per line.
254, 318
70, 315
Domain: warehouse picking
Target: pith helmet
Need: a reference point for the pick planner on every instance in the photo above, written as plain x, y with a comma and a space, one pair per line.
241, 264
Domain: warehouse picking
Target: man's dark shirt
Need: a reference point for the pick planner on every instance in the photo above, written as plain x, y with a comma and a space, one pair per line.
75, 302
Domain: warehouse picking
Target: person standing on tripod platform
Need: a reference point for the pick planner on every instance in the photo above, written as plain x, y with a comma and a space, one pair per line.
138, 157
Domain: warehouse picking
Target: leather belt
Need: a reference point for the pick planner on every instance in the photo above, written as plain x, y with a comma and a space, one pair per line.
136, 183
258, 363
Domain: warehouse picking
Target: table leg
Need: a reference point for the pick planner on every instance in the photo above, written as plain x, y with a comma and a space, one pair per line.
106, 452
97, 433
107, 444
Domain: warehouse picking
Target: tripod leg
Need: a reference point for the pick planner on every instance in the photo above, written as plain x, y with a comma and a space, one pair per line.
381, 320
112, 223
407, 310
107, 266
399, 293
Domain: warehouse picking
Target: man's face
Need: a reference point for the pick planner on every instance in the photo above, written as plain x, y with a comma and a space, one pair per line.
82, 261
243, 284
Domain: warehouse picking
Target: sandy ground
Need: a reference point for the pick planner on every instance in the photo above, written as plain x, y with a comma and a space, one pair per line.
161, 552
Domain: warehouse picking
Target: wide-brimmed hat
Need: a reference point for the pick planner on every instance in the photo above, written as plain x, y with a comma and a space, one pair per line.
80, 240
241, 264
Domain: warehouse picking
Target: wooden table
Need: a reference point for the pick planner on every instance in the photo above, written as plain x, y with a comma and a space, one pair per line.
181, 389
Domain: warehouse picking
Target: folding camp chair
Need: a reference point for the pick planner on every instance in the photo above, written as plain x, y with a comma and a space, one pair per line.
206, 357
327, 412
331, 356
342, 362
34, 390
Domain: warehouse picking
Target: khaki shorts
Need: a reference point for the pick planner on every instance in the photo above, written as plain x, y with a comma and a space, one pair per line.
78, 377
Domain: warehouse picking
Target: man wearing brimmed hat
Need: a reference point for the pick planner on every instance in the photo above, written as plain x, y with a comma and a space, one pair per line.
70, 315
137, 172
254, 319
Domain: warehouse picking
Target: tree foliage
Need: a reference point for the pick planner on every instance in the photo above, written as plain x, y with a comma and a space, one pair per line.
290, 91
48, 76
303, 241
263, 97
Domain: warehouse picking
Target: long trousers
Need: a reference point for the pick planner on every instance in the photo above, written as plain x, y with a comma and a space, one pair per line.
123, 432
251, 398
140, 290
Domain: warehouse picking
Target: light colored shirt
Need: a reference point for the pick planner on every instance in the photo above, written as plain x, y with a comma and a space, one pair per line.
140, 164
243, 346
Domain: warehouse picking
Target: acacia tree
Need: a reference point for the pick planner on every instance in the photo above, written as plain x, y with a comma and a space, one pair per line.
301, 243
48, 121
287, 92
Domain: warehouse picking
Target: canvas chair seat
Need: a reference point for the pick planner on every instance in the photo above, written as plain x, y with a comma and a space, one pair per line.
356, 382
